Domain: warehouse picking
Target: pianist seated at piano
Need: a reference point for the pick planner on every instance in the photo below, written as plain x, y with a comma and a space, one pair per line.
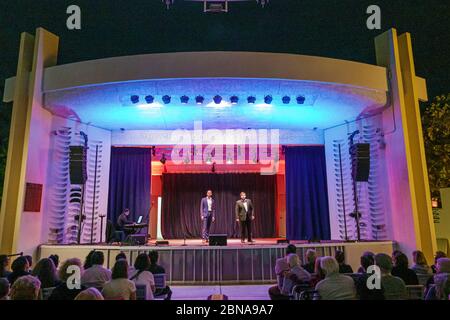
123, 220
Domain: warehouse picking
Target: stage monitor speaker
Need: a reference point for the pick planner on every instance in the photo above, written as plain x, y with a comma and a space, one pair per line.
218, 240
77, 165
282, 241
138, 239
360, 153
162, 243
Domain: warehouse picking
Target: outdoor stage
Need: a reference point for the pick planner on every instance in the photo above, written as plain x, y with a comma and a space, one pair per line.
235, 263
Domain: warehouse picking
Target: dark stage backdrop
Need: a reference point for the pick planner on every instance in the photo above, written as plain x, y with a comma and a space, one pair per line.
307, 213
183, 192
129, 182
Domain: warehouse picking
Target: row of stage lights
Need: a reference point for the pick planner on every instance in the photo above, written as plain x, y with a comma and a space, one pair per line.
135, 99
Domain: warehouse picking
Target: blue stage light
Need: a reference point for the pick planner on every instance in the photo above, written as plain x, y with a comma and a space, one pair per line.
286, 99
234, 99
166, 99
251, 100
301, 99
268, 99
134, 99
184, 99
217, 99
199, 99
149, 99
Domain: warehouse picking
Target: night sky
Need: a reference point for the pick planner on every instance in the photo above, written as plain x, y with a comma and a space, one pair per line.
330, 28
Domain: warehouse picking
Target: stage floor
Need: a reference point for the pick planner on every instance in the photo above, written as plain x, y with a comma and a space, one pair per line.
189, 262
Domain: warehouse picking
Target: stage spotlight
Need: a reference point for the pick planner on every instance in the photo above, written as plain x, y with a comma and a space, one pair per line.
213, 168
268, 99
234, 99
199, 99
286, 99
251, 100
134, 99
166, 99
153, 151
149, 99
163, 159
301, 99
184, 99
217, 99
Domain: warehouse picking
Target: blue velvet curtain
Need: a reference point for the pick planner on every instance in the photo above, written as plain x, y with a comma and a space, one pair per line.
129, 182
307, 213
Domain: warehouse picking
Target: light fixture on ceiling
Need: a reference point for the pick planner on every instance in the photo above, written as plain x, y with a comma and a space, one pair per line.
149, 99
166, 99
184, 99
268, 99
134, 99
251, 100
301, 99
234, 99
286, 99
217, 99
199, 99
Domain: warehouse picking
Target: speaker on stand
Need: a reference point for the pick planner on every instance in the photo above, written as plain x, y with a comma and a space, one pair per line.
360, 158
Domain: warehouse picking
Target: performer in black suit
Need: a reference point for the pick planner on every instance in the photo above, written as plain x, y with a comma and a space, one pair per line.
244, 215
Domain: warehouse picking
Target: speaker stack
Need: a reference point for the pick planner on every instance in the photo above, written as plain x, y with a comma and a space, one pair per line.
360, 154
77, 165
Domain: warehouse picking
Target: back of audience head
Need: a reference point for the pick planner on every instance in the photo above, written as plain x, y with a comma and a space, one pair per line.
401, 261
310, 256
384, 262
30, 261
4, 263
153, 255
142, 262
291, 249
442, 285
293, 260
443, 265
21, 264
88, 261
339, 256
120, 270
63, 272
329, 265
45, 271
438, 255
419, 258
55, 259
4, 288
97, 258
26, 288
120, 256
318, 269
367, 261
89, 294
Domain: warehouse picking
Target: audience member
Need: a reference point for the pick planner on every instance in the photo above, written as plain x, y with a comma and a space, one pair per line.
4, 264
155, 268
296, 274
89, 294
4, 289
310, 262
335, 286
142, 277
25, 288
281, 266
401, 270
30, 263
441, 288
55, 259
369, 259
97, 275
442, 267
120, 287
437, 256
45, 271
19, 268
87, 261
363, 291
70, 286
343, 267
121, 255
394, 288
318, 274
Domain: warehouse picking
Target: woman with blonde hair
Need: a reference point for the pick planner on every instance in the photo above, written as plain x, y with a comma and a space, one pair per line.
25, 288
420, 265
70, 274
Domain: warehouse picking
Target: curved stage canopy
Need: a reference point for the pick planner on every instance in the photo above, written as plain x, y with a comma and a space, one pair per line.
99, 92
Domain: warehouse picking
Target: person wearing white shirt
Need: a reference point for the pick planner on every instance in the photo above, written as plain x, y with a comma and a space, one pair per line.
142, 277
96, 276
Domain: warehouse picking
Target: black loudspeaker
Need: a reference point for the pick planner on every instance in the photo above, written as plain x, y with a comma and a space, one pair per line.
162, 243
138, 239
282, 241
218, 240
360, 153
77, 165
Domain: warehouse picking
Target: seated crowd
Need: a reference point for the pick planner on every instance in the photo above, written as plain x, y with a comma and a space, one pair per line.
329, 278
50, 281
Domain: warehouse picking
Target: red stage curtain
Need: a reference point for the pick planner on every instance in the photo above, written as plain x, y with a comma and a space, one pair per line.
182, 194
